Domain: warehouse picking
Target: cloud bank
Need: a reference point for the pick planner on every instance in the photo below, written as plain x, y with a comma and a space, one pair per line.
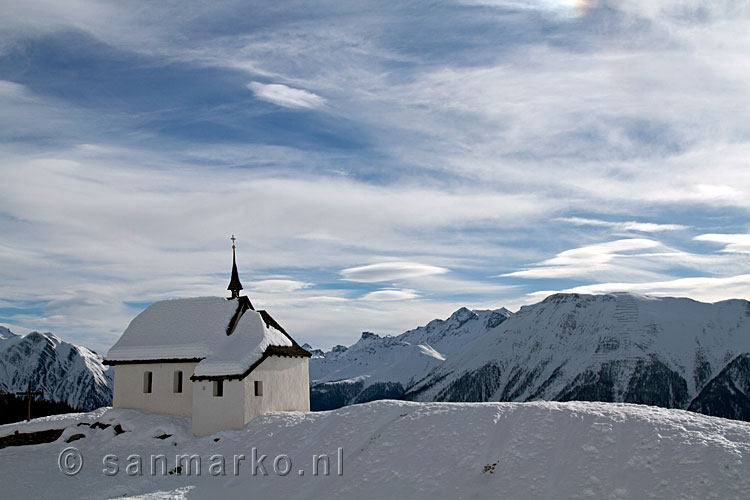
531, 147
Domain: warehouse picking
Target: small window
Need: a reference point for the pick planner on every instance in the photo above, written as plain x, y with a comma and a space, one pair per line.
148, 379
258, 387
178, 381
218, 388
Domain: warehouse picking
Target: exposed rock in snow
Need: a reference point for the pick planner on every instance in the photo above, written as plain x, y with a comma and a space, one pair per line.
316, 353
6, 333
728, 394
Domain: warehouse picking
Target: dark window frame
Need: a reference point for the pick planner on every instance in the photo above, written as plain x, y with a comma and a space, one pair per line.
148, 382
218, 388
177, 386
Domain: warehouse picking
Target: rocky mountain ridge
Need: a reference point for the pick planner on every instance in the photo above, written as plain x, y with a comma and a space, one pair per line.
62, 371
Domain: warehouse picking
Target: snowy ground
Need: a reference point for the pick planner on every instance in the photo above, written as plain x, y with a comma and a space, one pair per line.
398, 450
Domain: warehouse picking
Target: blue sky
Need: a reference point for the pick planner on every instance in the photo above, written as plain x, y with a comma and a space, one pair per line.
381, 164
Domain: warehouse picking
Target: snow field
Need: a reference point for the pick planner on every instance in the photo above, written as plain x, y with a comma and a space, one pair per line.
397, 449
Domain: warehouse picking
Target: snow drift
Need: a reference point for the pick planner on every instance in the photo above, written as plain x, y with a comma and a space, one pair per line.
397, 449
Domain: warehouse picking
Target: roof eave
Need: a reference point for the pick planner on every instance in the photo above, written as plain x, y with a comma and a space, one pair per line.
112, 362
282, 351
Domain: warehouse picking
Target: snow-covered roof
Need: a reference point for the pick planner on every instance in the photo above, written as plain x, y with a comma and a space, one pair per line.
175, 329
227, 336
237, 352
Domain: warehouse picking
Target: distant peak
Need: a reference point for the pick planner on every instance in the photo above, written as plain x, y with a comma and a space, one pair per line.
317, 353
462, 314
497, 316
43, 337
369, 335
624, 294
561, 297
568, 297
5, 333
310, 348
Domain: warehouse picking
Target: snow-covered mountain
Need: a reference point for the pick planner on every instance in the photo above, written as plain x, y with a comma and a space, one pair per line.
62, 371
385, 367
6, 334
388, 449
670, 352
727, 394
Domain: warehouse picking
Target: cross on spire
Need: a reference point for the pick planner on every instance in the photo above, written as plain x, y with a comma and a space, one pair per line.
234, 283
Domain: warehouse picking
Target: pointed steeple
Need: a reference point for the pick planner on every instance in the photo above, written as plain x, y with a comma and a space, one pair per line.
234, 283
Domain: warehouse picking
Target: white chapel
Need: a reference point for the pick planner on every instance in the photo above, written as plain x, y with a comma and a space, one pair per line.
217, 360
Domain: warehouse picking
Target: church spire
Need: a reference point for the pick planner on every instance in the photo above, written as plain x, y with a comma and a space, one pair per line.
234, 283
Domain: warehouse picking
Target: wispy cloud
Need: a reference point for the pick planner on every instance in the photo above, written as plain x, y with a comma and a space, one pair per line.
278, 285
390, 271
706, 289
601, 258
734, 243
11, 89
566, 8
128, 165
644, 227
390, 294
287, 97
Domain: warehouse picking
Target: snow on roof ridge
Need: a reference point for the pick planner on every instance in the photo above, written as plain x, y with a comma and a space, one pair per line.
232, 355
197, 328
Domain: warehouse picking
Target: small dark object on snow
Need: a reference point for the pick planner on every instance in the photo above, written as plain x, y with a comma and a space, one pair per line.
489, 468
75, 437
18, 439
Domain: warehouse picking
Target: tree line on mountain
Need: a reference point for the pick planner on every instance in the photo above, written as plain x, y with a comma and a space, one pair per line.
14, 408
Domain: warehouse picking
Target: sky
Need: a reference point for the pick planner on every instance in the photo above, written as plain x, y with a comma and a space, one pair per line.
381, 163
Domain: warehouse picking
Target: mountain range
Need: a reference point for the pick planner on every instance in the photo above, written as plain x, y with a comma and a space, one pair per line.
378, 367
669, 352
62, 371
